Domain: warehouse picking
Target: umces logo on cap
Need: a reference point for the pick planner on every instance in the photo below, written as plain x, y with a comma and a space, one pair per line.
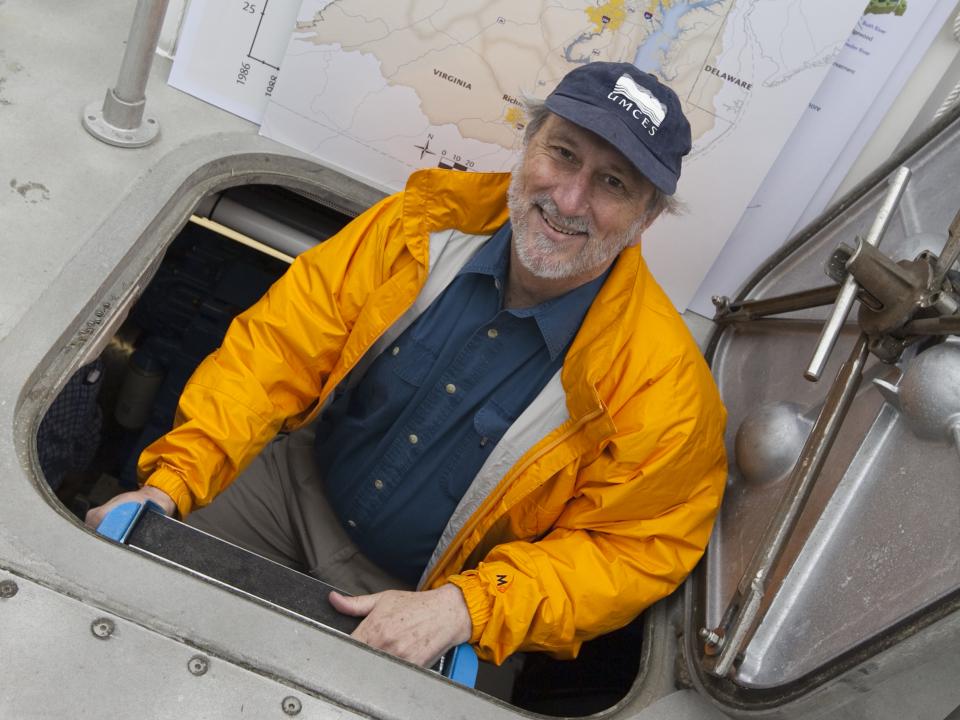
639, 102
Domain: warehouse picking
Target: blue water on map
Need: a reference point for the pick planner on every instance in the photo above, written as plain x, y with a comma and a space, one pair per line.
650, 53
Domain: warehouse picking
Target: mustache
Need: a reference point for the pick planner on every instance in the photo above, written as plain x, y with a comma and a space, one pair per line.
573, 223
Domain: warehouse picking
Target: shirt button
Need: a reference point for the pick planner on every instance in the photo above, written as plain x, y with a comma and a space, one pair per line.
492, 333
413, 439
450, 388
378, 484
351, 523
395, 350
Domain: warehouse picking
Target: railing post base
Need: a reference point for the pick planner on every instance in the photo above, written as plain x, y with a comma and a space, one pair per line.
119, 119
97, 116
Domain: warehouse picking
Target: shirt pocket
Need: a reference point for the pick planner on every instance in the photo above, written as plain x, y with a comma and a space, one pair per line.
412, 362
391, 383
491, 422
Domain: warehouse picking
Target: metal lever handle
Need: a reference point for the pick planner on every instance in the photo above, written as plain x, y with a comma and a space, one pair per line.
949, 255
848, 291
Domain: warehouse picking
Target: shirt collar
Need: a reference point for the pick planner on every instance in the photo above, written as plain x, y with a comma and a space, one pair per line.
493, 257
559, 318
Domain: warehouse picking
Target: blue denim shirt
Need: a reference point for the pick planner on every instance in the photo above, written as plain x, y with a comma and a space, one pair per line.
399, 449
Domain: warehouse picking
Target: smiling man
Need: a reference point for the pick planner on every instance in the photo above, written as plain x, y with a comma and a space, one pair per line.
510, 437
575, 204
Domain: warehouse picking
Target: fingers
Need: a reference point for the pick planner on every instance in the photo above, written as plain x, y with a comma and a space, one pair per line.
355, 606
415, 626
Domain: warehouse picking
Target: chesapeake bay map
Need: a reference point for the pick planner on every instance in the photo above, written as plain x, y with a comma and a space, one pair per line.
378, 89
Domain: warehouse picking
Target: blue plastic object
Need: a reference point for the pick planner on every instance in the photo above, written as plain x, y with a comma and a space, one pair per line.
463, 665
118, 523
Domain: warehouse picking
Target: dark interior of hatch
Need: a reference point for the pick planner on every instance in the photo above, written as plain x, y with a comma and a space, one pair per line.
91, 436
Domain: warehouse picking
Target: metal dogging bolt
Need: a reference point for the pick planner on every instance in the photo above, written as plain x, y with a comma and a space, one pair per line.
102, 628
198, 665
8, 588
291, 705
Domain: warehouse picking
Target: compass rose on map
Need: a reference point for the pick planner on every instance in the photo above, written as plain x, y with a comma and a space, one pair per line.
425, 148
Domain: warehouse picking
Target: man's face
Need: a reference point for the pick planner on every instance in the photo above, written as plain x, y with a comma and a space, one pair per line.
575, 203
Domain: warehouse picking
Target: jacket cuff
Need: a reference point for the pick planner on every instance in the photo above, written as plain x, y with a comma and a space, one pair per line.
478, 600
172, 485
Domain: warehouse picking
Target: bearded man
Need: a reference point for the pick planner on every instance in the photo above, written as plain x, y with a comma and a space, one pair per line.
510, 438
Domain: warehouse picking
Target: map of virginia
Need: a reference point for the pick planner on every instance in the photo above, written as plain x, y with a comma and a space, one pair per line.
470, 62
380, 89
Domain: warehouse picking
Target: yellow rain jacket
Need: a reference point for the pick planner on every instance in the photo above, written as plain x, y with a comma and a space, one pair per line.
595, 504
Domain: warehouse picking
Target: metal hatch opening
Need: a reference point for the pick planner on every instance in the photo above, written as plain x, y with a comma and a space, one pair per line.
221, 262
235, 245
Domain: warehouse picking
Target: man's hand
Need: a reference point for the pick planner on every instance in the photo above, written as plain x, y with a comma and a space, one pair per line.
415, 626
147, 492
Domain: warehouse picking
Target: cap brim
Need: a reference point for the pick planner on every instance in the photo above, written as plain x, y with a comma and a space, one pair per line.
597, 120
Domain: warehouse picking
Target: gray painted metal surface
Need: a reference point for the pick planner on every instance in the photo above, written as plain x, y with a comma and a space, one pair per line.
91, 665
82, 225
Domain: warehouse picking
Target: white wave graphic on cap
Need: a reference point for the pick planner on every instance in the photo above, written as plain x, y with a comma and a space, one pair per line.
643, 98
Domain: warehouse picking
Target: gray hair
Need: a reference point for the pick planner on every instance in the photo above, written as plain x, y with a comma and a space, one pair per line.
537, 114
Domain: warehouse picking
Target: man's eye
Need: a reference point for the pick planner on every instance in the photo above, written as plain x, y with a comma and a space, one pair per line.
615, 183
564, 153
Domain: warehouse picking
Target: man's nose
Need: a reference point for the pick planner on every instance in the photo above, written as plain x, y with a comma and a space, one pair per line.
572, 194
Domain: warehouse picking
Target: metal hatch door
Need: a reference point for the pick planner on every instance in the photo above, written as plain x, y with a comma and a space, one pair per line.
873, 555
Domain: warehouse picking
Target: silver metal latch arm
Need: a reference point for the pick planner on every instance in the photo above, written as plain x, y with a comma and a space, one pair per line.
849, 289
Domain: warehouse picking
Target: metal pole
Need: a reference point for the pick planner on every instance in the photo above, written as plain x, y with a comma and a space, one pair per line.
119, 120
849, 289
731, 312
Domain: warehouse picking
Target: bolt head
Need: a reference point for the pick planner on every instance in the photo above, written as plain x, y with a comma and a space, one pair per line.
8, 588
712, 640
102, 628
198, 665
291, 705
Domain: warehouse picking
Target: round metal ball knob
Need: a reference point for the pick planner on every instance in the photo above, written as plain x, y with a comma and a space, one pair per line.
929, 393
769, 441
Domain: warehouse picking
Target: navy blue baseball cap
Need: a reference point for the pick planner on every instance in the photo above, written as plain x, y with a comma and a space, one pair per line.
633, 111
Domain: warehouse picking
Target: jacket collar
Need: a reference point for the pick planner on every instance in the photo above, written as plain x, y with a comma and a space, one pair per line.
434, 199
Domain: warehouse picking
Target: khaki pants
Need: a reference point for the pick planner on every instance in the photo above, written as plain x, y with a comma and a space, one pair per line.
277, 508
